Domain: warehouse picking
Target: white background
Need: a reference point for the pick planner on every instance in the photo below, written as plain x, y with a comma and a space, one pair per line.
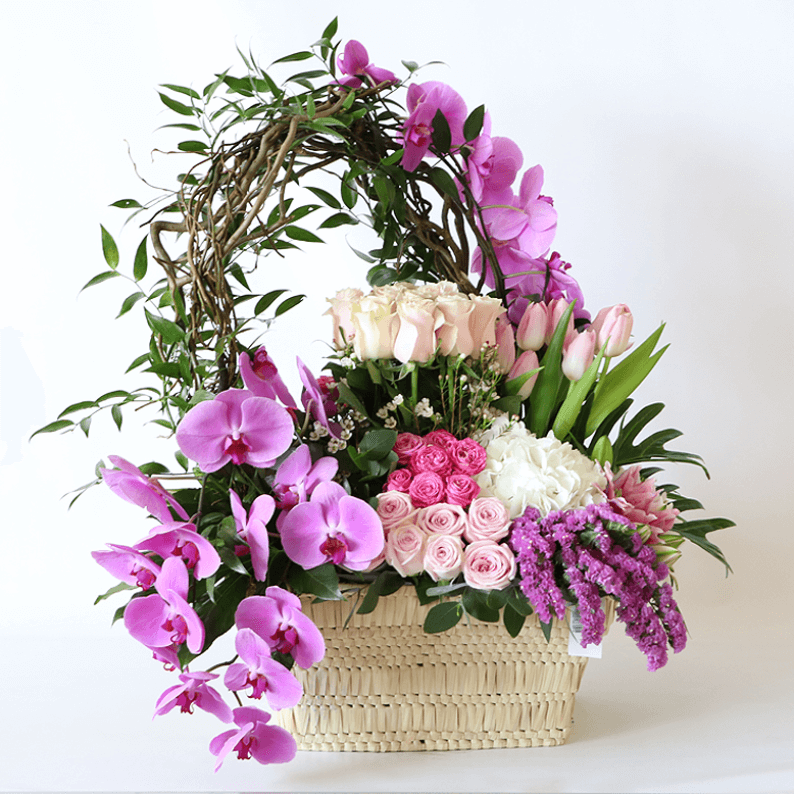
666, 133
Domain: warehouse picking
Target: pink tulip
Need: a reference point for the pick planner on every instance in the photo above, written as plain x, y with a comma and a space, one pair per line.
613, 328
556, 309
526, 362
533, 328
578, 355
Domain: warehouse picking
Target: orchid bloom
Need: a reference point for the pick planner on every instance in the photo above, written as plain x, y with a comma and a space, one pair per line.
278, 619
332, 527
132, 485
128, 565
260, 671
314, 401
180, 539
254, 738
297, 477
193, 691
236, 426
160, 620
262, 379
423, 102
355, 63
252, 528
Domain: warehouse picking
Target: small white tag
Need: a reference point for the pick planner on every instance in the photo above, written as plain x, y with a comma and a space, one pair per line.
574, 635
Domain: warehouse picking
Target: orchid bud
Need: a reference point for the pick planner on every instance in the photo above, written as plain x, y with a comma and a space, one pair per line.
533, 327
613, 328
578, 355
525, 363
556, 309
505, 343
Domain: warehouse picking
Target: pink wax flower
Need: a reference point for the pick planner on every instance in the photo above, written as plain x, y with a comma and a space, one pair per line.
252, 529
178, 539
640, 501
578, 354
394, 508
355, 63
488, 519
332, 527
254, 738
132, 485
468, 457
426, 488
405, 445
399, 480
613, 326
261, 377
405, 549
278, 619
160, 620
526, 362
431, 457
128, 565
443, 558
461, 489
423, 102
488, 565
262, 673
531, 334
193, 691
236, 426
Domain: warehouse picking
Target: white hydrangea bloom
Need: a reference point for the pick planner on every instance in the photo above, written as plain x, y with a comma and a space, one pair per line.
523, 470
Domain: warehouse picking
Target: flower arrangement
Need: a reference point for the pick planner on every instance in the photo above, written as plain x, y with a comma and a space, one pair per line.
471, 438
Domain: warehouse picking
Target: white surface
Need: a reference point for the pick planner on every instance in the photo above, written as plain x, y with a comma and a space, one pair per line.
665, 131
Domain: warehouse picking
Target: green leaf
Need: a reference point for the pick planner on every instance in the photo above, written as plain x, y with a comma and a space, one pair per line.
387, 583
475, 603
518, 602
325, 197
137, 363
546, 629
411, 66
219, 618
288, 304
85, 424
602, 451
119, 588
696, 531
514, 621
577, 393
331, 28
473, 124
338, 219
322, 581
442, 617
109, 249
441, 135
98, 279
141, 262
177, 107
304, 235
349, 398
129, 302
266, 300
125, 204
385, 189
192, 146
52, 427
443, 181
349, 192
377, 444
169, 330
81, 406
180, 89
231, 560
115, 412
295, 56
113, 395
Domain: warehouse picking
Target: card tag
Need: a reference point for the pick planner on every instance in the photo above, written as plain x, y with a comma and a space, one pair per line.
574, 636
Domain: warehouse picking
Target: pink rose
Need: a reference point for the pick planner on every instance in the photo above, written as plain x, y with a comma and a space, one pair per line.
488, 520
443, 556
442, 519
394, 507
399, 480
431, 458
441, 438
405, 549
461, 489
427, 488
406, 445
488, 565
468, 457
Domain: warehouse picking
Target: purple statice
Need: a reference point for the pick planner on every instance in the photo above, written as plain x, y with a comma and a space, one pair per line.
600, 553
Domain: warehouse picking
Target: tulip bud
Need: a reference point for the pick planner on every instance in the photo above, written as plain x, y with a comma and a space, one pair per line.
556, 309
533, 327
505, 343
613, 328
578, 355
526, 362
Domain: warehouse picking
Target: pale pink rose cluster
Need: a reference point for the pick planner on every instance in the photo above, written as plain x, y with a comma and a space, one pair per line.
412, 322
445, 540
437, 468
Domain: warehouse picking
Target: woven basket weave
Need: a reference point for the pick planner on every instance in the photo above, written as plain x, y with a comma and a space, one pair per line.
386, 685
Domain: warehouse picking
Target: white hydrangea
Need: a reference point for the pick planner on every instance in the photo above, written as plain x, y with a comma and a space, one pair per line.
524, 470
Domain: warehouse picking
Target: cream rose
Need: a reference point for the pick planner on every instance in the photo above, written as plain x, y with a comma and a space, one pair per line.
375, 323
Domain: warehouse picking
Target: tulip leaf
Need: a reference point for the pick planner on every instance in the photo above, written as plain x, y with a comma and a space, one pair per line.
442, 617
322, 581
577, 393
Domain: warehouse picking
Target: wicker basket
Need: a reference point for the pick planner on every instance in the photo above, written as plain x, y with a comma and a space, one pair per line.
386, 685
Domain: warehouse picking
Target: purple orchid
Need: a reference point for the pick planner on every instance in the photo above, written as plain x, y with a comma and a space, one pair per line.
262, 379
314, 401
297, 477
179, 539
132, 485
160, 620
355, 63
252, 528
261, 672
423, 101
128, 565
278, 619
193, 691
332, 527
236, 426
254, 738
